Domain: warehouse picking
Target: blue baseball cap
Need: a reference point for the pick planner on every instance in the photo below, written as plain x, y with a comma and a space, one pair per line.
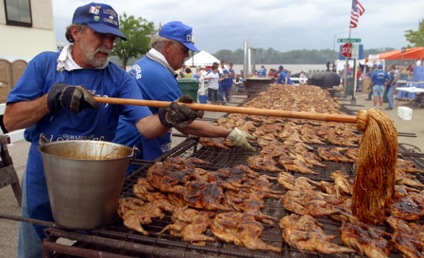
281, 67
180, 32
380, 66
101, 18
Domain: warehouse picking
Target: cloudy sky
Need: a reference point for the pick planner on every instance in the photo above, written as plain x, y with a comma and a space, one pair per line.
279, 24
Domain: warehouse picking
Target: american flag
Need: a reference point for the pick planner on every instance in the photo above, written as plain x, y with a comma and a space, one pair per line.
357, 11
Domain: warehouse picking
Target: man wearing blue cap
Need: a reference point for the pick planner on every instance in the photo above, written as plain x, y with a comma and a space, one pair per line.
284, 77
155, 74
54, 96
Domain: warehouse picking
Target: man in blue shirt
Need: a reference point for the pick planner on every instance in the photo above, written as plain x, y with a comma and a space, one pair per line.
380, 79
156, 77
54, 96
284, 77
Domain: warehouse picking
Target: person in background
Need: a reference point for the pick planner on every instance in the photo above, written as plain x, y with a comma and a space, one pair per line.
54, 97
369, 74
262, 72
231, 79
394, 74
213, 78
271, 73
380, 79
155, 76
188, 73
203, 89
284, 77
358, 79
302, 78
225, 84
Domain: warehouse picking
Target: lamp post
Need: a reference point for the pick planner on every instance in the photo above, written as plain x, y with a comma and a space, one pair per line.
403, 50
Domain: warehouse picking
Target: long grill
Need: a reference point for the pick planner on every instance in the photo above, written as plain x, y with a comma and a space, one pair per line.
115, 240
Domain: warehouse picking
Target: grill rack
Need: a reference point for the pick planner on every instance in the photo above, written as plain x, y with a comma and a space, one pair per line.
126, 243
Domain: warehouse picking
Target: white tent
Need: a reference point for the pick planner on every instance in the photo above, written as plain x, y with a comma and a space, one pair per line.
201, 58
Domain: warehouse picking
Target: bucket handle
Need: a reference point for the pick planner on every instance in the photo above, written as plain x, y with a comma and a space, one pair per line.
43, 139
134, 153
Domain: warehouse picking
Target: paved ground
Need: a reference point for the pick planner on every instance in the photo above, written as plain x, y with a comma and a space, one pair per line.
18, 152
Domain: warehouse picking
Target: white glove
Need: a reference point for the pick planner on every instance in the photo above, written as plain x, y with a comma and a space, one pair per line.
239, 139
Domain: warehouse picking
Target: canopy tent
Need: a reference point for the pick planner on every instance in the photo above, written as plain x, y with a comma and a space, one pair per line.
201, 58
415, 53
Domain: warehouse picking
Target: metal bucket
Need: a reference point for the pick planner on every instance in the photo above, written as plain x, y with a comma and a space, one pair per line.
84, 180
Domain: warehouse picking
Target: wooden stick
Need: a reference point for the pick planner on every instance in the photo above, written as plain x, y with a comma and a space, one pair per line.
232, 109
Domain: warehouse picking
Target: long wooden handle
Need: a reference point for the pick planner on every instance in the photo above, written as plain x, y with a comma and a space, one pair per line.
232, 109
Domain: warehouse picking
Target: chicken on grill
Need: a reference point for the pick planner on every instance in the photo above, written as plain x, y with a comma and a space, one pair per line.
304, 233
136, 213
241, 229
295, 165
366, 239
263, 163
310, 202
334, 154
343, 183
191, 225
290, 182
408, 238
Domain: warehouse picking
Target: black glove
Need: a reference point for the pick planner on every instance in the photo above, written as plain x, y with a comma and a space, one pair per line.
74, 98
177, 115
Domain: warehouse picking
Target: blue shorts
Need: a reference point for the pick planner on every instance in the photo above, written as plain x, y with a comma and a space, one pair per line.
378, 90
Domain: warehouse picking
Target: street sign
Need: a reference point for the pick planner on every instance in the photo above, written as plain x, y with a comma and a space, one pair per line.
351, 40
346, 50
357, 51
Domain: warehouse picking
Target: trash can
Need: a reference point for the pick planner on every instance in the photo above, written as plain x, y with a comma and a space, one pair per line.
189, 87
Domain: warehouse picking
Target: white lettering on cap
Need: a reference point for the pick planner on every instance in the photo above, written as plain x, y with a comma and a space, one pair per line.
188, 38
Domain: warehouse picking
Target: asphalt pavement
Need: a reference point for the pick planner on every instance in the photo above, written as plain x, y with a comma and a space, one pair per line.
18, 151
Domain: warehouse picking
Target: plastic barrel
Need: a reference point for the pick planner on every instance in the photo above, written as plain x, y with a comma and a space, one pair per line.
189, 87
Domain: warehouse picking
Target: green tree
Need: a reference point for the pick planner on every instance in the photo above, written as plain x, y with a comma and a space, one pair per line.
138, 32
416, 38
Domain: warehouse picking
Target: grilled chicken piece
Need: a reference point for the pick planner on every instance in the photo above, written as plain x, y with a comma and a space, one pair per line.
241, 229
407, 179
408, 238
136, 213
213, 142
342, 183
308, 134
263, 163
310, 202
352, 153
274, 150
295, 165
249, 202
406, 166
406, 207
307, 158
333, 154
203, 195
305, 234
290, 182
190, 224
365, 238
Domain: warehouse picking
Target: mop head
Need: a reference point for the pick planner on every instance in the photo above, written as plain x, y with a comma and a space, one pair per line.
375, 168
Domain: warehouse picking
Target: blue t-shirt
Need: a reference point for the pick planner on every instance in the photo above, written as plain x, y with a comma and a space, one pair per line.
156, 82
282, 78
380, 76
227, 82
91, 123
